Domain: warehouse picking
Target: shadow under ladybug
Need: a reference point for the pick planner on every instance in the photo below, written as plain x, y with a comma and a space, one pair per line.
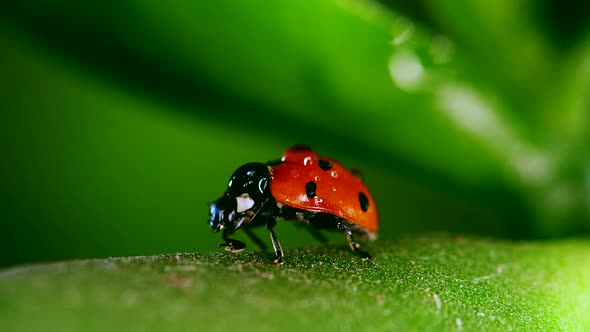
301, 187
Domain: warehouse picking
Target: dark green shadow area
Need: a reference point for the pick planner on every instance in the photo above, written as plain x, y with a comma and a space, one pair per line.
435, 282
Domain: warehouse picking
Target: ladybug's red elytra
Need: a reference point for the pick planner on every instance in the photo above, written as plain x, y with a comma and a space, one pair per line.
301, 186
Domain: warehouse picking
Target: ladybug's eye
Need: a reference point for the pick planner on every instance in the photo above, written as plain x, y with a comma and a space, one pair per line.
213, 210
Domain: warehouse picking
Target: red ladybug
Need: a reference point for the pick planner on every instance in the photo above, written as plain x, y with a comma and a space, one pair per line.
301, 186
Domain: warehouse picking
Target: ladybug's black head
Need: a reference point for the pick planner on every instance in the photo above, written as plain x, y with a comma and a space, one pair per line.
247, 190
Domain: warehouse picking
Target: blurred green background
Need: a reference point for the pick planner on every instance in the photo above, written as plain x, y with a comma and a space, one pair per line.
122, 120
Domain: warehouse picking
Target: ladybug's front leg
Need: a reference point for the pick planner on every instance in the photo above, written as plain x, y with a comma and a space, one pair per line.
270, 224
231, 244
354, 246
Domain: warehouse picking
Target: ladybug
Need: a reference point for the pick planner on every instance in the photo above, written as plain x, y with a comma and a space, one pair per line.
301, 186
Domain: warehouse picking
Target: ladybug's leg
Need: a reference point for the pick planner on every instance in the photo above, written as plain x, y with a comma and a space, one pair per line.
275, 241
354, 246
255, 238
277, 247
231, 244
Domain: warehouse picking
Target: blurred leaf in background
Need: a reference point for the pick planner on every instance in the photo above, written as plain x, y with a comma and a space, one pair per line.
121, 121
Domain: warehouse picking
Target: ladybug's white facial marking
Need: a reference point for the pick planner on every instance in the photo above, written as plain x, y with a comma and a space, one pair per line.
244, 203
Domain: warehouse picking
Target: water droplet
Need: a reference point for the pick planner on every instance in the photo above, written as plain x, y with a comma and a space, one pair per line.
406, 70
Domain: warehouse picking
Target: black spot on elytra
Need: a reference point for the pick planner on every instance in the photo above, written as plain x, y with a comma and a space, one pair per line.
300, 148
325, 165
364, 202
310, 189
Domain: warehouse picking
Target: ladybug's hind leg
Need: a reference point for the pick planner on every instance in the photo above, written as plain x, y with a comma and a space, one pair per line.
354, 246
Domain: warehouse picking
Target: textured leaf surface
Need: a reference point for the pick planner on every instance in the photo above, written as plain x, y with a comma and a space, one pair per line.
435, 282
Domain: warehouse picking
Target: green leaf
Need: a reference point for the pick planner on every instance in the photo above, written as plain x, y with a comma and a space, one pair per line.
436, 282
